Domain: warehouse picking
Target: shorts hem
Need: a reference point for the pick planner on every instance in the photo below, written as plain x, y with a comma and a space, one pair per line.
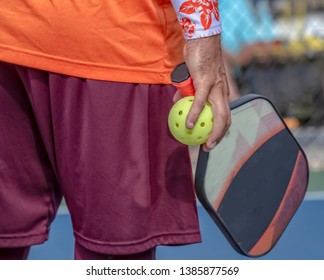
126, 248
22, 241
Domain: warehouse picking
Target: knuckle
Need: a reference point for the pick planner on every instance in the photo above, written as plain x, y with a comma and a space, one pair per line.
199, 102
224, 115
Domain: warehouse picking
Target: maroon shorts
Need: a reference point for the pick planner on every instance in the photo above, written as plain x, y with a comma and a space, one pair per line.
106, 147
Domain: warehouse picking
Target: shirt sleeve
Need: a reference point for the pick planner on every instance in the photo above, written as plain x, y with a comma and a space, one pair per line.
198, 18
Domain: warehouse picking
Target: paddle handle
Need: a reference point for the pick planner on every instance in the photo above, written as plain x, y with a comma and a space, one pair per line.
181, 79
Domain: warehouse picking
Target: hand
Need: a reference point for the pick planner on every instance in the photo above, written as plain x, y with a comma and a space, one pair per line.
206, 67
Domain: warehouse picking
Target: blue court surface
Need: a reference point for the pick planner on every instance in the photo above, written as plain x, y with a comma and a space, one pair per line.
302, 240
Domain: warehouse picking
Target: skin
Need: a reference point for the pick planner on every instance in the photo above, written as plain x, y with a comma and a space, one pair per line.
233, 87
205, 63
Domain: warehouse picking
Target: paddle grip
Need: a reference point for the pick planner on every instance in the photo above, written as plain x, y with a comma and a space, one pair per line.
181, 79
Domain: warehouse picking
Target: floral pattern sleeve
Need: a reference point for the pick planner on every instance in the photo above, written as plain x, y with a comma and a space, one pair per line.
198, 18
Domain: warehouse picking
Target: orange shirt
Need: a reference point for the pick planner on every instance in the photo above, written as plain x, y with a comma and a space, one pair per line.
116, 40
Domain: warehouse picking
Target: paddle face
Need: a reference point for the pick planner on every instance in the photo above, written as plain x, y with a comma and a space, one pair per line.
252, 183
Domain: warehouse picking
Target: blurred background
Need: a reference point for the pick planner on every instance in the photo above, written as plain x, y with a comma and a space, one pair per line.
274, 48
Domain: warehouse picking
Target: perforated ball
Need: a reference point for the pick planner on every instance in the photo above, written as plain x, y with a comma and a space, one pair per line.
177, 122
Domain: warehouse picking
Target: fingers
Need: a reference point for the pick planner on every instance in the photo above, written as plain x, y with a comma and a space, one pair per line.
217, 94
222, 119
177, 96
197, 106
219, 100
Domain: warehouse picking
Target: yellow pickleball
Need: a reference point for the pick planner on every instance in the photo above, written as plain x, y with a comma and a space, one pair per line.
177, 122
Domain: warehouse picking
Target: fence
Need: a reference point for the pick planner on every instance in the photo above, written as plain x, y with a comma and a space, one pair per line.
276, 48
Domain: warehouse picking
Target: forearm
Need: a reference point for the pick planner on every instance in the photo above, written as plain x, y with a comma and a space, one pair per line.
203, 56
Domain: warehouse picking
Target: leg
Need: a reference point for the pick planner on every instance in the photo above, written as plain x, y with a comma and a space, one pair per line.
14, 253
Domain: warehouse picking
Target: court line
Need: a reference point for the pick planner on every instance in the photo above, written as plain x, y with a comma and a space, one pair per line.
314, 195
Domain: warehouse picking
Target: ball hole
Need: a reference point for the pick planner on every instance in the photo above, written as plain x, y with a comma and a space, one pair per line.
202, 124
180, 113
189, 132
199, 137
212, 120
177, 125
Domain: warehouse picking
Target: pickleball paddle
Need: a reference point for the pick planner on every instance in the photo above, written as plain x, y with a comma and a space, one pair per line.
252, 183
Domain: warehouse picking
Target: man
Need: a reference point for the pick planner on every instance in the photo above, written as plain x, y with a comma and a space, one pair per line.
84, 98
